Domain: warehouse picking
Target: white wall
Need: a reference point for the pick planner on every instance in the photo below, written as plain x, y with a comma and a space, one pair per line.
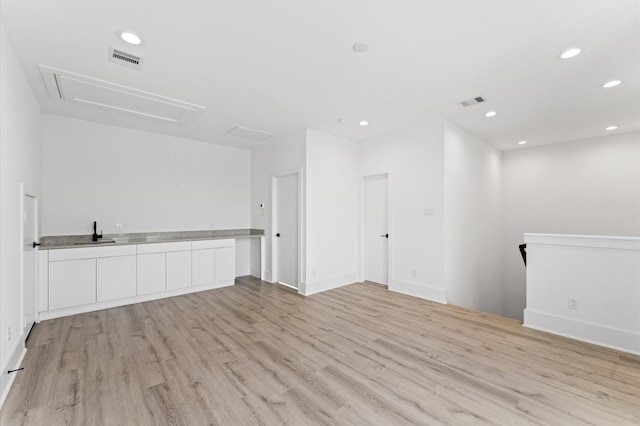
472, 225
20, 162
601, 278
332, 212
414, 160
284, 153
588, 187
146, 181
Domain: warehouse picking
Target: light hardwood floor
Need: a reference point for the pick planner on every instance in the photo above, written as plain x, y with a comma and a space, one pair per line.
258, 353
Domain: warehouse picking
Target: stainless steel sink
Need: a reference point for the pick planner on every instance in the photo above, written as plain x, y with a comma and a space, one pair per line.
94, 243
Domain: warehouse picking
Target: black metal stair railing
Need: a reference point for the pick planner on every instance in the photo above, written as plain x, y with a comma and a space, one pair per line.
523, 252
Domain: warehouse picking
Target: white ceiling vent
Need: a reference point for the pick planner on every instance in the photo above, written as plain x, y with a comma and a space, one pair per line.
472, 101
126, 59
83, 90
247, 133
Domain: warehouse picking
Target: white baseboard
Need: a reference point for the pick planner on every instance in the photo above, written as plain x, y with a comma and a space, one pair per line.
422, 291
242, 272
255, 272
314, 287
15, 359
609, 337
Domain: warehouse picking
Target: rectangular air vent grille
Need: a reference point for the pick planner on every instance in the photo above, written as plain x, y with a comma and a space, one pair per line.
472, 101
123, 58
247, 133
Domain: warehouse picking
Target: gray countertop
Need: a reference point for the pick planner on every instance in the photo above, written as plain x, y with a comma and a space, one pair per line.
78, 241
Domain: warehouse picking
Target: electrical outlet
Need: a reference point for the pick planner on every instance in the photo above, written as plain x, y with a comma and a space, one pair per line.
9, 333
118, 227
414, 273
574, 304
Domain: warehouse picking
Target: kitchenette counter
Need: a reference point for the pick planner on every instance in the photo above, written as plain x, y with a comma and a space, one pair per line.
78, 241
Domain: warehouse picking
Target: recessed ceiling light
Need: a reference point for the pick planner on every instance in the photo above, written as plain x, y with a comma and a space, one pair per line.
490, 114
130, 38
364, 123
612, 83
522, 142
359, 47
611, 128
570, 53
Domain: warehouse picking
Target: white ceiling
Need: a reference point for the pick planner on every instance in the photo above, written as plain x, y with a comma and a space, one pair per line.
280, 65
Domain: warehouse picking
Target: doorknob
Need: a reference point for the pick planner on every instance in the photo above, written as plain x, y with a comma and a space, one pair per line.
385, 235
278, 235
35, 244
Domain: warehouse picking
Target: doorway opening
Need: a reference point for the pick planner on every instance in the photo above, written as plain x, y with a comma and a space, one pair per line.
375, 229
286, 229
29, 232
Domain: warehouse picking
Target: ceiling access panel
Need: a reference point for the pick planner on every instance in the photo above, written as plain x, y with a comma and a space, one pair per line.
83, 90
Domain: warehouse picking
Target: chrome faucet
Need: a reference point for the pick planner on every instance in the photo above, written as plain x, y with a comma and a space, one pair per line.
95, 235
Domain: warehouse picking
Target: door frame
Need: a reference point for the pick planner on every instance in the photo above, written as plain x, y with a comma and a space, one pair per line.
274, 224
361, 226
24, 193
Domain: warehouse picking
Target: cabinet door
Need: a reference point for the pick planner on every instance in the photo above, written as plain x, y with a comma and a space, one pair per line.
225, 261
203, 267
151, 273
178, 269
72, 283
116, 277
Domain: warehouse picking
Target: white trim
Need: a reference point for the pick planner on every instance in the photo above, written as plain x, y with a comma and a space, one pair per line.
255, 273
287, 286
435, 294
130, 300
596, 241
327, 284
15, 360
610, 337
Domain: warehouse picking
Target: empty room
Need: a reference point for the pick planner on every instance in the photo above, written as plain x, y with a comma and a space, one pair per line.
320, 212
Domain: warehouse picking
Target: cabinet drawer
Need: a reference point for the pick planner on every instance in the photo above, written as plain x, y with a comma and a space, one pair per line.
90, 252
206, 244
164, 247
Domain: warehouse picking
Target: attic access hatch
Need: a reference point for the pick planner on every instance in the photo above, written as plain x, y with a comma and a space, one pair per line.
83, 90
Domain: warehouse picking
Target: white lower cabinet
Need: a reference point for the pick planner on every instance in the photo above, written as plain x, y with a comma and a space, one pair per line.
214, 262
107, 276
225, 264
203, 267
116, 277
72, 283
151, 273
178, 269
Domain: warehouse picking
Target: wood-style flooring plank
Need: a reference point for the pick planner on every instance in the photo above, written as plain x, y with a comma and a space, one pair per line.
260, 354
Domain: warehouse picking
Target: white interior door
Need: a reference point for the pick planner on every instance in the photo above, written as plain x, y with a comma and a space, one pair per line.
286, 232
29, 264
376, 232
